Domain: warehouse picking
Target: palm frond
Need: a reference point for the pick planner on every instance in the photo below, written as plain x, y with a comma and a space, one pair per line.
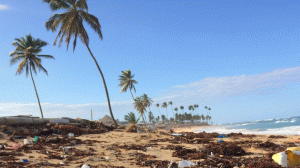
75, 40
32, 65
15, 59
84, 38
21, 66
57, 4
43, 69
92, 21
46, 56
81, 4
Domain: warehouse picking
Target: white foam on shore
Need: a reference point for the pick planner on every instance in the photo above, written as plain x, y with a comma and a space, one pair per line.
292, 130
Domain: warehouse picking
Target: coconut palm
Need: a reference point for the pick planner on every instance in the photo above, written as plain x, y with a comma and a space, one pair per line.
176, 114
206, 109
150, 116
27, 50
209, 111
182, 108
157, 105
196, 106
190, 107
171, 103
127, 82
72, 25
131, 118
140, 107
165, 105
147, 101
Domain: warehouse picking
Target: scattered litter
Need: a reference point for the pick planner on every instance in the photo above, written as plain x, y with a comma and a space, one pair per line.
85, 166
14, 146
185, 163
71, 135
176, 134
26, 141
107, 158
36, 139
288, 158
220, 140
25, 160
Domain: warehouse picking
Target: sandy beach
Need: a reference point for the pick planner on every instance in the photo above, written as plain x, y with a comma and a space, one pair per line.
123, 149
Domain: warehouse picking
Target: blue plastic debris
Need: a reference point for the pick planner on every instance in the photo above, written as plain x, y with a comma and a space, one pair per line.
220, 140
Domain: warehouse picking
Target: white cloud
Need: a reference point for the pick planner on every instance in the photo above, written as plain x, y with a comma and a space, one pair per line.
213, 89
3, 7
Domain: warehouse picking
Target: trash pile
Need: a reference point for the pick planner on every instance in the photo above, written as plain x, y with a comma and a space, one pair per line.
52, 141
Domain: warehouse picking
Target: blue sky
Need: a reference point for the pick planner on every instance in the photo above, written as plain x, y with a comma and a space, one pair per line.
240, 58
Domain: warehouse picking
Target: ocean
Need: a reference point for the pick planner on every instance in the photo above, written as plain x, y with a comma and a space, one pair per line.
284, 126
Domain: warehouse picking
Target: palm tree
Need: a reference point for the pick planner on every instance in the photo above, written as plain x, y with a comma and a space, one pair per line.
26, 50
163, 118
176, 114
206, 109
127, 81
196, 106
182, 108
202, 117
157, 105
209, 111
131, 118
72, 25
147, 101
190, 107
165, 105
140, 107
171, 103
150, 116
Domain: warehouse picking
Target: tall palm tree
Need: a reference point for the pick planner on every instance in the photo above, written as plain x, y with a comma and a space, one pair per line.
171, 103
131, 118
157, 105
72, 25
196, 106
165, 105
26, 50
150, 116
127, 82
182, 108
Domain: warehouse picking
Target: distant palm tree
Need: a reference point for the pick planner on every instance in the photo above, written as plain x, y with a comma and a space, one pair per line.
163, 118
140, 107
206, 109
127, 82
190, 107
147, 101
150, 116
157, 105
171, 103
209, 111
131, 118
72, 25
206, 117
26, 50
165, 105
196, 106
176, 114
202, 117
182, 108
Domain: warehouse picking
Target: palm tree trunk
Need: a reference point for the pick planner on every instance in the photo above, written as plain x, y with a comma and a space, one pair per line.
132, 95
36, 94
107, 96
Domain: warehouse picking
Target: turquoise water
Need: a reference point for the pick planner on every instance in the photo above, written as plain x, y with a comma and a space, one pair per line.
284, 126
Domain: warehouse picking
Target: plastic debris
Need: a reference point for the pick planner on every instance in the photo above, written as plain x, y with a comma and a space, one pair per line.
288, 158
26, 141
14, 146
25, 160
36, 139
176, 134
185, 163
107, 158
220, 140
85, 166
71, 135
222, 136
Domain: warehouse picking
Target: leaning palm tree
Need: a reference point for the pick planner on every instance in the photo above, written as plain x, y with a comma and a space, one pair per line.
127, 82
72, 25
27, 50
165, 105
